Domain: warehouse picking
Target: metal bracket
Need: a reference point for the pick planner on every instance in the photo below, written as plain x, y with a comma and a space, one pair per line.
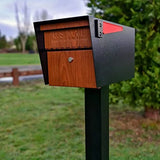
98, 28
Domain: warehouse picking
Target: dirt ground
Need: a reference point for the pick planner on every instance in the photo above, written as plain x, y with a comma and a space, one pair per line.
132, 126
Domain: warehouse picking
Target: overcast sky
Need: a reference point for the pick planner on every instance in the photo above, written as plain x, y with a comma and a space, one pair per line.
55, 8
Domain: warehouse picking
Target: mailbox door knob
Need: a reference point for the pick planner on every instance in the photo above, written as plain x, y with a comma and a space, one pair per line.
70, 59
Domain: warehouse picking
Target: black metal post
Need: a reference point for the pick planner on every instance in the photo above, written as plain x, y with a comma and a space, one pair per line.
97, 123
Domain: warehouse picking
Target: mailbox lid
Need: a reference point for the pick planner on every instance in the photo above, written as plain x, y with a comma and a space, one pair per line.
70, 33
77, 73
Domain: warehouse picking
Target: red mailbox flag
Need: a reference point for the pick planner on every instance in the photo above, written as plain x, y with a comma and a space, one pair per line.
111, 28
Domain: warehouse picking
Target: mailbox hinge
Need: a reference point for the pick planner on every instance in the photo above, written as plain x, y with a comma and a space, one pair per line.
98, 28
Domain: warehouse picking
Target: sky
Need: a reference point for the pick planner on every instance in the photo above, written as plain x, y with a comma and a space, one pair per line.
55, 8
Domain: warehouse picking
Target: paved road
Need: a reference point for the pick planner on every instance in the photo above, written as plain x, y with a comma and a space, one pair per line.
21, 68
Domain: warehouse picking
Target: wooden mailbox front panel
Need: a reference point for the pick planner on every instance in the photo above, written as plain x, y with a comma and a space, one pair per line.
78, 73
69, 39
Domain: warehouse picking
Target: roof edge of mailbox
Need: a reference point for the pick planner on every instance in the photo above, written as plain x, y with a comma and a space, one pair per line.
42, 52
112, 47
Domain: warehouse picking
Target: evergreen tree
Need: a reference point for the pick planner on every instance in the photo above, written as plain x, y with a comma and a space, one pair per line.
3, 41
144, 89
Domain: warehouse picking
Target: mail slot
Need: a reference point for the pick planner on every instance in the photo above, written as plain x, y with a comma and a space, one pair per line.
85, 51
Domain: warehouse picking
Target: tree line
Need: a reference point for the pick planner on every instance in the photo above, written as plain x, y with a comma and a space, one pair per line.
25, 41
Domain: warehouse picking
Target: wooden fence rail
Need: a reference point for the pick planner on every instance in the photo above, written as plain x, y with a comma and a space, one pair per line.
15, 73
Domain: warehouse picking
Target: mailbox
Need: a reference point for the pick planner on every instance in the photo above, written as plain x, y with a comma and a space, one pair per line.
85, 51
91, 53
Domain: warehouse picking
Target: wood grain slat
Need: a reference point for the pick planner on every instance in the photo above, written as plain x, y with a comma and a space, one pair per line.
79, 73
68, 39
5, 74
62, 25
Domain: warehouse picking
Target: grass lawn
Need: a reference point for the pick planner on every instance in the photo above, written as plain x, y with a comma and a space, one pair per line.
39, 122
18, 59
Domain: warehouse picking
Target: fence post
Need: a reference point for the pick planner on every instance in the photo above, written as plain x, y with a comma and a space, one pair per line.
15, 75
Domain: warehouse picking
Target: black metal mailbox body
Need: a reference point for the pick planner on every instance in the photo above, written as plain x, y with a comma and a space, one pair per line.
112, 46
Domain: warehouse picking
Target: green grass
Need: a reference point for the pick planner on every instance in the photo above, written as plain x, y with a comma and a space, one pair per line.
19, 59
148, 151
39, 122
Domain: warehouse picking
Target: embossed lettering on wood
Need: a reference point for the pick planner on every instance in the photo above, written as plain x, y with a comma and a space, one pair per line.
68, 39
78, 73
